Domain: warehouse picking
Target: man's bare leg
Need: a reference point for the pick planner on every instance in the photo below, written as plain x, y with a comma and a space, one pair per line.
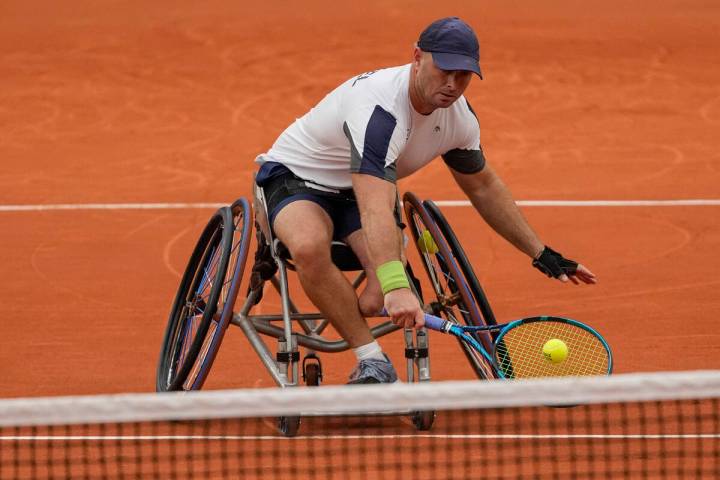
306, 230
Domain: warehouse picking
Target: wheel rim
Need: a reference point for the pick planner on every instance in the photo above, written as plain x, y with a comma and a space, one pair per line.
461, 258
241, 221
197, 315
454, 300
195, 305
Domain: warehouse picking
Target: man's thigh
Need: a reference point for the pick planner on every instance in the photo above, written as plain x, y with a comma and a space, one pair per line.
303, 225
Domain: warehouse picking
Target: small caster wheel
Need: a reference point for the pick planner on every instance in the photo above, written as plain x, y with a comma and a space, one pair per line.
423, 421
289, 426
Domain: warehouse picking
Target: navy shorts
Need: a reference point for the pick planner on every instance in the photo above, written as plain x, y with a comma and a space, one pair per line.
282, 187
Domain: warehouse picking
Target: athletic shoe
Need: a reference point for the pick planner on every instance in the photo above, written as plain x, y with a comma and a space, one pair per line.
374, 371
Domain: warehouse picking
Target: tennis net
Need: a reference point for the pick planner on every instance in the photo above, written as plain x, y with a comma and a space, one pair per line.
659, 425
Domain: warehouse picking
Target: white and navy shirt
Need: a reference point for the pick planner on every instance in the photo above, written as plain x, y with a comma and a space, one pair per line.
368, 125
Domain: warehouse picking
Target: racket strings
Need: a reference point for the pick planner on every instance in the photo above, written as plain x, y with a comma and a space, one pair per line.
521, 353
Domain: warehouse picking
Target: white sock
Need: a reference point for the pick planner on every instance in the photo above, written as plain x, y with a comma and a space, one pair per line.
371, 350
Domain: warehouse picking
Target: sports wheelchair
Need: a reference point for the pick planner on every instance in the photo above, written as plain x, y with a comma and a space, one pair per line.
204, 304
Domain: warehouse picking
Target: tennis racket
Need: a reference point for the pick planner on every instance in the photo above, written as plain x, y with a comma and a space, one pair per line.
517, 350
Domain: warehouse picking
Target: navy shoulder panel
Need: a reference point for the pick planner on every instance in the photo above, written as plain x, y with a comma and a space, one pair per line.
378, 133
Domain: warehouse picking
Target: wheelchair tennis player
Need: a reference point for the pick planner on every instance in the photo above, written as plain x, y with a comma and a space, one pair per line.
332, 174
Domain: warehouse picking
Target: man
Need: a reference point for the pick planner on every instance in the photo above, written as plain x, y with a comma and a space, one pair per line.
332, 173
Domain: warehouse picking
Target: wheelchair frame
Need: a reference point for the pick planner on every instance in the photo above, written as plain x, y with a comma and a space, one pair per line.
203, 306
284, 367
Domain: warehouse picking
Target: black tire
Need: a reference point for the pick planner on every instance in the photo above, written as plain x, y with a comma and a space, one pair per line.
423, 420
312, 375
454, 299
289, 426
200, 315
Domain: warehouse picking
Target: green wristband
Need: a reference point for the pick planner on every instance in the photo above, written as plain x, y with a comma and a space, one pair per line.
392, 276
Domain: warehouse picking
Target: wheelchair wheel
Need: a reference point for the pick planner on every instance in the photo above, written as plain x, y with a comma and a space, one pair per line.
423, 420
463, 262
204, 302
289, 426
454, 299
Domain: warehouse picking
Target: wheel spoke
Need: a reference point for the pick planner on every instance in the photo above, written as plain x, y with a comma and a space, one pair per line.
201, 356
200, 311
190, 328
206, 280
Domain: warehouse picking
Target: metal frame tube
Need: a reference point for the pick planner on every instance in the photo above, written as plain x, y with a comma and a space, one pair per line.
266, 357
312, 342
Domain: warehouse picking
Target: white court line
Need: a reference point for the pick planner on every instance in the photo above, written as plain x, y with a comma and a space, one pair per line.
61, 438
596, 203
107, 206
441, 203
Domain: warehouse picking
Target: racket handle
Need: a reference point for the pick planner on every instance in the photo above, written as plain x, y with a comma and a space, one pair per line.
431, 321
436, 323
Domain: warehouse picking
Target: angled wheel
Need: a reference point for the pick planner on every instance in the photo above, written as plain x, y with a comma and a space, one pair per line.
462, 262
204, 302
289, 426
423, 420
454, 299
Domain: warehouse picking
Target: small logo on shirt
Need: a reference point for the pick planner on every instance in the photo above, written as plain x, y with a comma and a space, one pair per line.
436, 129
363, 76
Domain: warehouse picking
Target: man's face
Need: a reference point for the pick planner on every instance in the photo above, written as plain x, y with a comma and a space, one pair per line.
438, 88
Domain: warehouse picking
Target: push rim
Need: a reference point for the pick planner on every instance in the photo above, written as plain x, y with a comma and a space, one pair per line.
195, 302
242, 225
463, 262
454, 299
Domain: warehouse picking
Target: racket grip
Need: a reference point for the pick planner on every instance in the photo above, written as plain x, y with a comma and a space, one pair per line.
431, 321
436, 323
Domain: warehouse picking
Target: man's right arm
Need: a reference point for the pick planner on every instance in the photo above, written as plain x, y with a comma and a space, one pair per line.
376, 201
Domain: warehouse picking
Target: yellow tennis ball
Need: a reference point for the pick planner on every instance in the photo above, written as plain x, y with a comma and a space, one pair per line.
426, 244
555, 351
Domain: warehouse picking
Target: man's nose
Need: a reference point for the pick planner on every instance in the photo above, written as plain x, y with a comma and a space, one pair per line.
451, 81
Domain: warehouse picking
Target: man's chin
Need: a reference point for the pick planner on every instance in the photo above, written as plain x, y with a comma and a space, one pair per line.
445, 102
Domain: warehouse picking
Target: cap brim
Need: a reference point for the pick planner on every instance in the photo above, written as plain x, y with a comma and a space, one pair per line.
453, 61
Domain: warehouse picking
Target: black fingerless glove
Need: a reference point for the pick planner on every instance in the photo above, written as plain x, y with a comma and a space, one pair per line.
552, 264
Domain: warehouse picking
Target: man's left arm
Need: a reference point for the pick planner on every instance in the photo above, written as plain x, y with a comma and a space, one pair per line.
492, 199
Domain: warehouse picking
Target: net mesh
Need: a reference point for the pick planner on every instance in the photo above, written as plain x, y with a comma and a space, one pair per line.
627, 426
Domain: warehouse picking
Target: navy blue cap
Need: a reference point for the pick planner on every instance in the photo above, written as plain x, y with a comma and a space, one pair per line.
453, 45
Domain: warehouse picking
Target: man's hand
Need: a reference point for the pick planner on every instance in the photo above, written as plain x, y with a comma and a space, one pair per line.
404, 309
554, 265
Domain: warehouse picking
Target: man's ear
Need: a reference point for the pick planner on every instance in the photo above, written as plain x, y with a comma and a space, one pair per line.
417, 55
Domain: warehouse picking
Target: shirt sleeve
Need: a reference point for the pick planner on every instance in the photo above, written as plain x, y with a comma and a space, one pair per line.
468, 157
373, 136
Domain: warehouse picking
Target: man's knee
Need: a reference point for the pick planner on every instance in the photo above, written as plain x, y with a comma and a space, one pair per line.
306, 230
310, 253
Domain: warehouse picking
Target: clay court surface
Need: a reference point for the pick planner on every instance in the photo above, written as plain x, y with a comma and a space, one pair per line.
161, 102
